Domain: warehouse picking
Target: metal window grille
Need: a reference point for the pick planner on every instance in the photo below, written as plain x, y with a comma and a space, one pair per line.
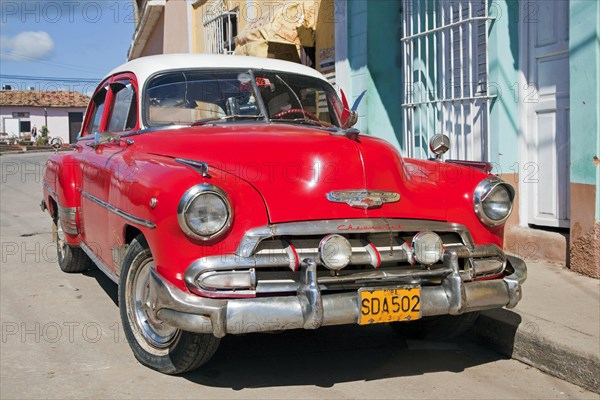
220, 29
445, 51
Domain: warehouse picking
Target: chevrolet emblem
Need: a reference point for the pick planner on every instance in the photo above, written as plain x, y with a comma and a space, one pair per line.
363, 198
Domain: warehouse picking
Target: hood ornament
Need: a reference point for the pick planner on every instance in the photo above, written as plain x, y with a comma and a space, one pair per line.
363, 198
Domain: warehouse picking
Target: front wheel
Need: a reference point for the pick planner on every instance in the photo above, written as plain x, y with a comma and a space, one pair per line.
436, 328
154, 343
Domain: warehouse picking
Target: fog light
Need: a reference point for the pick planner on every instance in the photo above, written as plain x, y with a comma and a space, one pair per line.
335, 252
428, 247
229, 280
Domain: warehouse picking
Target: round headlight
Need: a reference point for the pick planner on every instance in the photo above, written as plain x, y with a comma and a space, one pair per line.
204, 212
335, 252
428, 247
493, 201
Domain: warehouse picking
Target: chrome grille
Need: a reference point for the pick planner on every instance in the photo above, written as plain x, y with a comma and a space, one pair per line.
381, 255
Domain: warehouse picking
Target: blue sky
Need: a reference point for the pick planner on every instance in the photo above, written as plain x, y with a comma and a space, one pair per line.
81, 39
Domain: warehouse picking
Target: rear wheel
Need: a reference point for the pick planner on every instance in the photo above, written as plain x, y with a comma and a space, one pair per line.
436, 328
154, 343
70, 259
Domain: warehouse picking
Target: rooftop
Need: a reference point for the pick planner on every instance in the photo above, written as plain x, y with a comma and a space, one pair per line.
37, 98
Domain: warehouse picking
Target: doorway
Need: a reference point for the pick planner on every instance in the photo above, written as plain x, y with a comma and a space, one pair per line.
545, 158
75, 122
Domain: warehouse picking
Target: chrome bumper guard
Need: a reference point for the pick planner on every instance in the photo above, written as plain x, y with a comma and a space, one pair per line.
310, 309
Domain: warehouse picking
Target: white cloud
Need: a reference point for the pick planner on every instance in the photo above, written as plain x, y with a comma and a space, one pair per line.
26, 46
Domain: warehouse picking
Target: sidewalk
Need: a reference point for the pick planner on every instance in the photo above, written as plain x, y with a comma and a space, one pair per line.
555, 328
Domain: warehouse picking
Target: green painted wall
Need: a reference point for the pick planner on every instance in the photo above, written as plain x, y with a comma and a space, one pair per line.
503, 50
584, 62
374, 55
376, 65
385, 79
357, 57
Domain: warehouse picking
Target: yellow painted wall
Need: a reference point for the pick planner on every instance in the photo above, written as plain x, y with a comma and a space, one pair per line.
325, 34
249, 10
202, 7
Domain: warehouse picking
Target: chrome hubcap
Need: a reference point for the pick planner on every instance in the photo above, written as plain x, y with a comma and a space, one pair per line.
61, 244
153, 335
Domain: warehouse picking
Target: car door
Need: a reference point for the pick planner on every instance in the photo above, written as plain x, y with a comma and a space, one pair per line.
99, 164
122, 118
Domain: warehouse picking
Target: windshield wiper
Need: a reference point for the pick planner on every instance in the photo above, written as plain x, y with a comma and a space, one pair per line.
295, 95
225, 118
307, 121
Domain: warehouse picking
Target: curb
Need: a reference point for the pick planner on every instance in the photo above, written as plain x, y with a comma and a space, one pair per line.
2, 153
552, 348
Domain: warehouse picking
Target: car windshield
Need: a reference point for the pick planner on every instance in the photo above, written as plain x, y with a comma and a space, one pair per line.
196, 97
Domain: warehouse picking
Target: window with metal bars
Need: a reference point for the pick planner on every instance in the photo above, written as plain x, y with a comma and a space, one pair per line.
445, 53
220, 29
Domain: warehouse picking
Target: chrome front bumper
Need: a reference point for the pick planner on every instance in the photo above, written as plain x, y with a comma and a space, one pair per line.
310, 309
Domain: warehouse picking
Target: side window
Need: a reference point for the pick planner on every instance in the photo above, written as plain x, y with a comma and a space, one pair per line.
98, 109
124, 109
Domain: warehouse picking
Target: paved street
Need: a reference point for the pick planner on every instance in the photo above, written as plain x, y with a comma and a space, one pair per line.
62, 338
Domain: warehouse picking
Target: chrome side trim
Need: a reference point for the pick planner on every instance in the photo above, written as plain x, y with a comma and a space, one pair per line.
68, 219
254, 236
119, 212
103, 267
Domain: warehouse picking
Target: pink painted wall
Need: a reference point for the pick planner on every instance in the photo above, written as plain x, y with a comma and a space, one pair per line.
171, 32
177, 36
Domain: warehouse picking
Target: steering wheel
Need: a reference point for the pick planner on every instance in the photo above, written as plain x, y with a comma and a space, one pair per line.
285, 113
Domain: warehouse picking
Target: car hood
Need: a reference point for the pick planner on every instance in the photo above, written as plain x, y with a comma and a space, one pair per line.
295, 167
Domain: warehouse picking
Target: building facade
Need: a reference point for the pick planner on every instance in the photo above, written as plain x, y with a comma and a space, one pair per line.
299, 31
513, 83
60, 111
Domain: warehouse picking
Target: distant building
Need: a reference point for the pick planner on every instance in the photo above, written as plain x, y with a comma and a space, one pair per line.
61, 111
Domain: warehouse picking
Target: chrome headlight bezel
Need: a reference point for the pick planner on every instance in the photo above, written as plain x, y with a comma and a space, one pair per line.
191, 195
483, 190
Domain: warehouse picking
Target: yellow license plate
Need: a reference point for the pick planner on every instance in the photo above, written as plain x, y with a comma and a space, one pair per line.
389, 305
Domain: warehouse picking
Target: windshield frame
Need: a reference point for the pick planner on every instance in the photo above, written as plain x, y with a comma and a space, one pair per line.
144, 101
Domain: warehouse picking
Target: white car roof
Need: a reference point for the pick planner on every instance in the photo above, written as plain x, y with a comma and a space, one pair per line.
144, 67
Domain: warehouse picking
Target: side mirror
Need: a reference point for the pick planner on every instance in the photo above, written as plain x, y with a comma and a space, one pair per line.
439, 144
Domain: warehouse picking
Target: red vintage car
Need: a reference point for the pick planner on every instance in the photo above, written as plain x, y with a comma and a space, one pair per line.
227, 195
